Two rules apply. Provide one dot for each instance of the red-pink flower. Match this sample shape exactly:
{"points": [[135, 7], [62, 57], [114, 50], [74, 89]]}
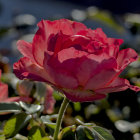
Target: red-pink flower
{"points": [[4, 94], [82, 63]]}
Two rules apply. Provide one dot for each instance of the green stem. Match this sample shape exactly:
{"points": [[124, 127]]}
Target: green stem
{"points": [[60, 117]]}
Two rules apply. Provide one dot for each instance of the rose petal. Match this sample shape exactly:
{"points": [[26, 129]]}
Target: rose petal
{"points": [[74, 40], [88, 65], [104, 73], [125, 57], [25, 68], [115, 42], [119, 84], [25, 48], [70, 53], [64, 79], [82, 96], [55, 42], [66, 63], [88, 33], [95, 35], [101, 79], [113, 46], [85, 70], [59, 42], [61, 77], [101, 34], [77, 26], [60, 61], [91, 66], [46, 28], [135, 88]]}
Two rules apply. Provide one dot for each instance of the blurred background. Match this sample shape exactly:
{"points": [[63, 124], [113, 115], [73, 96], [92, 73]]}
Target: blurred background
{"points": [[120, 112]]}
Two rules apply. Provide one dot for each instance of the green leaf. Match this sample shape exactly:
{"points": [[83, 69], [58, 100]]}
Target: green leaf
{"points": [[47, 119], [20, 137], [10, 107], [84, 133], [36, 133], [49, 124], [102, 133], [68, 133], [90, 135], [77, 106], [2, 137], [50, 127], [31, 108], [79, 121], [54, 116], [15, 124], [84, 124], [57, 96], [46, 138]]}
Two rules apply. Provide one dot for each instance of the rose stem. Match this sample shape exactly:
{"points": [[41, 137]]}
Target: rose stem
{"points": [[60, 117]]}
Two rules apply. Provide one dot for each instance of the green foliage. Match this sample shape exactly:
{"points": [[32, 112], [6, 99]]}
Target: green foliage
{"points": [[50, 126], [57, 95], [20, 137], [30, 108], [77, 106], [15, 124], [102, 133], [86, 131], [68, 133], [36, 133], [2, 137], [83, 133], [46, 138], [9, 107]]}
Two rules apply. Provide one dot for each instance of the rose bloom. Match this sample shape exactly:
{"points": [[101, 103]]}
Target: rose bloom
{"points": [[82, 63]]}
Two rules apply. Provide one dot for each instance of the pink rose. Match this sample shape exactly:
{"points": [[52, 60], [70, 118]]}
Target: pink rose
{"points": [[82, 63], [4, 94]]}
